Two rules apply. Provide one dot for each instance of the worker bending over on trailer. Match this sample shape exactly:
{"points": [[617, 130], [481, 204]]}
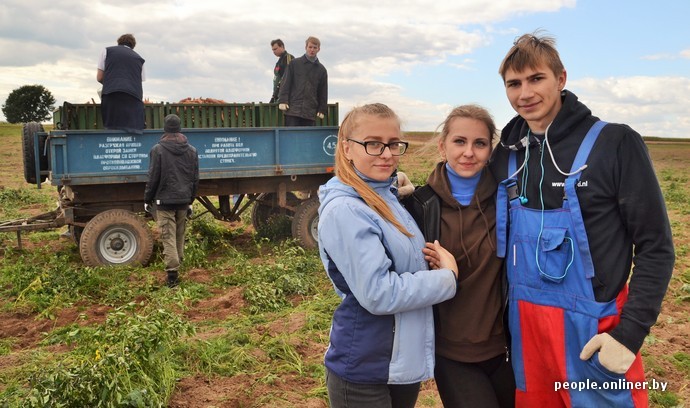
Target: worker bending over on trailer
{"points": [[172, 185], [121, 71]]}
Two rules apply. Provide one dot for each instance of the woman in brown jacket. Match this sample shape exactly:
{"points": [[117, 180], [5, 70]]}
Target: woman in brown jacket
{"points": [[472, 367]]}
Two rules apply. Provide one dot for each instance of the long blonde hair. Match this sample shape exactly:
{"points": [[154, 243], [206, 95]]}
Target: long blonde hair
{"points": [[345, 171]]}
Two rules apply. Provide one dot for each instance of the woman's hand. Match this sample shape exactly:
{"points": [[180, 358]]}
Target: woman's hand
{"points": [[439, 257]]}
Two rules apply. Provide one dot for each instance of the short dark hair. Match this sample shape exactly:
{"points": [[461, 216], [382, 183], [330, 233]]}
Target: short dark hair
{"points": [[128, 40], [279, 42]]}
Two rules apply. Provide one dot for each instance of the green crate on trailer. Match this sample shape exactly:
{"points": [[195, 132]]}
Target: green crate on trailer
{"points": [[88, 116]]}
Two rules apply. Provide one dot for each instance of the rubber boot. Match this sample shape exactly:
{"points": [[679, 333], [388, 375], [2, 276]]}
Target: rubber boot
{"points": [[173, 279]]}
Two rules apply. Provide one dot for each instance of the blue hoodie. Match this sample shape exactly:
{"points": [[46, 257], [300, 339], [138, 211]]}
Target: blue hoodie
{"points": [[383, 330]]}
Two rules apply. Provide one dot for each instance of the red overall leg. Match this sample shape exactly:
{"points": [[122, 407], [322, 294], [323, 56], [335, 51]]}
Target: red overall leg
{"points": [[543, 349]]}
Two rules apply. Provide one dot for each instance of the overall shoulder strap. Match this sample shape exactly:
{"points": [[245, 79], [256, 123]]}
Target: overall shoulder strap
{"points": [[574, 203], [586, 146]]}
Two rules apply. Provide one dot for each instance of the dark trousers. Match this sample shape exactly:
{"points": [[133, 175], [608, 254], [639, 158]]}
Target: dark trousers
{"points": [[344, 394], [485, 384], [297, 121], [122, 111]]}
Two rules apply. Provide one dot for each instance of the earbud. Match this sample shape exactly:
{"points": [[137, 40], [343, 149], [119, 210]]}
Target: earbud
{"points": [[523, 200]]}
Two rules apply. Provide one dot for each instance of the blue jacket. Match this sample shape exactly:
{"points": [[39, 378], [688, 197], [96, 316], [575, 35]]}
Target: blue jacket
{"points": [[383, 330]]}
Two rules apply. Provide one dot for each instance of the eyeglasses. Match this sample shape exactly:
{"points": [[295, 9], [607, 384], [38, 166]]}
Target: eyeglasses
{"points": [[374, 148]]}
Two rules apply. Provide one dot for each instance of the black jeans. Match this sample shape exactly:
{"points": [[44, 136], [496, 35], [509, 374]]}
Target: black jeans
{"points": [[485, 384], [297, 121], [344, 394]]}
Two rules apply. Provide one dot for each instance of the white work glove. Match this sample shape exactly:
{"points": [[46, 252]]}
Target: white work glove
{"points": [[320, 115], [283, 106], [405, 186], [614, 356], [147, 208]]}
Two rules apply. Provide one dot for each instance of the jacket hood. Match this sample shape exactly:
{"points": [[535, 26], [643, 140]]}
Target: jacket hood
{"points": [[572, 113], [438, 180], [175, 143], [465, 218]]}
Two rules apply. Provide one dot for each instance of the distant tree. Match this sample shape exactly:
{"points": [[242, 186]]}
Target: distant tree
{"points": [[29, 103]]}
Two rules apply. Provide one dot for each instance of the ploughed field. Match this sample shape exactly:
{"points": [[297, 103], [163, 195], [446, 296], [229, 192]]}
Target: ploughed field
{"points": [[248, 326]]}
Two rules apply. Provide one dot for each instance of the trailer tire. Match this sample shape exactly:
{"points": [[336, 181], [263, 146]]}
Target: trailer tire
{"points": [[116, 237], [267, 205], [28, 131], [305, 223]]}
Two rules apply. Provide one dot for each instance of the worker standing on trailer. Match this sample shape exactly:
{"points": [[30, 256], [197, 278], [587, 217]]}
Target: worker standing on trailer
{"points": [[303, 94], [121, 71], [284, 58], [172, 185]]}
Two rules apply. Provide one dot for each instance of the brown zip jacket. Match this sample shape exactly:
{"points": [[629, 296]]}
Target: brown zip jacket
{"points": [[469, 327]]}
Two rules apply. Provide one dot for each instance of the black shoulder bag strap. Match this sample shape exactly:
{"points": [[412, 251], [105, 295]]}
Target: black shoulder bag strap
{"points": [[425, 208]]}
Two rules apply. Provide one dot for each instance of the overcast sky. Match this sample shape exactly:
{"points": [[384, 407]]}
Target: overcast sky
{"points": [[629, 61]]}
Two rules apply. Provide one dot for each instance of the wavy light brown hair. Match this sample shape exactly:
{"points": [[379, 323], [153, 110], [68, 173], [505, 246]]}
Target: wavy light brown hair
{"points": [[344, 169], [313, 40], [531, 50]]}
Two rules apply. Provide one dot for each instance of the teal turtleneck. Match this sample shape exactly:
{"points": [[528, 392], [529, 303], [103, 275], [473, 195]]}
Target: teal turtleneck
{"points": [[463, 188]]}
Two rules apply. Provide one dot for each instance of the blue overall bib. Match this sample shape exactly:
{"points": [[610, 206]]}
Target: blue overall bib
{"points": [[552, 309]]}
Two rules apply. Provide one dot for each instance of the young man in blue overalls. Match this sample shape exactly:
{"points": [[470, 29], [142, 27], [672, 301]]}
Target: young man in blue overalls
{"points": [[578, 205]]}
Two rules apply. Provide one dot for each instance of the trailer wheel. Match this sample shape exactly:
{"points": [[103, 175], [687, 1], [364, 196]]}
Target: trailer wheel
{"points": [[305, 223], [116, 237], [28, 131], [267, 205]]}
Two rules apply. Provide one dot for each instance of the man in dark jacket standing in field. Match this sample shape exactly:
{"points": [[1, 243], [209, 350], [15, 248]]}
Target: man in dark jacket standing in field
{"points": [[304, 91], [172, 186]]}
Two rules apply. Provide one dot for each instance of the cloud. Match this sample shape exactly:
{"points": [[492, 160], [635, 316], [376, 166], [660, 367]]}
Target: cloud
{"points": [[220, 49], [653, 106]]}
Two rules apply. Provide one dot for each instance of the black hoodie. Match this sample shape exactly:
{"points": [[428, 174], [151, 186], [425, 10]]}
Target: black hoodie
{"points": [[173, 173], [622, 206]]}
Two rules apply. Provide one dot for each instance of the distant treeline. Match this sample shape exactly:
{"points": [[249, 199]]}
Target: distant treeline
{"points": [[653, 139]]}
